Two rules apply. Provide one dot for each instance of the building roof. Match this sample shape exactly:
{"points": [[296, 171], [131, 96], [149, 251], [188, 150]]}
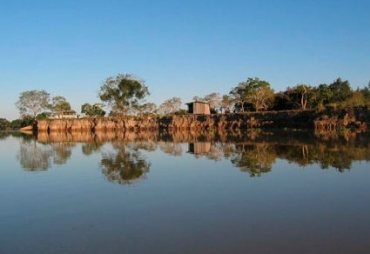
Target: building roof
{"points": [[202, 102]]}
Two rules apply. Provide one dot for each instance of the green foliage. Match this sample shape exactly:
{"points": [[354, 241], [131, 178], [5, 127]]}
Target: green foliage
{"points": [[60, 105], [125, 166], [254, 91], [92, 110], [322, 95], [366, 94], [43, 115], [3, 124], [283, 102], [336, 95], [340, 90], [123, 93], [23, 122], [181, 112], [300, 96]]}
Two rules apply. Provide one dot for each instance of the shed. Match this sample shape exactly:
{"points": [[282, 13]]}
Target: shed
{"points": [[199, 148], [199, 107]]}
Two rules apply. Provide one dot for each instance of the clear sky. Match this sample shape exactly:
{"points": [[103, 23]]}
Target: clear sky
{"points": [[181, 48]]}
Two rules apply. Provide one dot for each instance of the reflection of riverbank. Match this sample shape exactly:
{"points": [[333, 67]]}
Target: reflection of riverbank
{"points": [[254, 152], [253, 136]]}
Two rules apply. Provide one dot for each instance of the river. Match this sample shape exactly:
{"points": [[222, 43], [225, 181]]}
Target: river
{"points": [[249, 192]]}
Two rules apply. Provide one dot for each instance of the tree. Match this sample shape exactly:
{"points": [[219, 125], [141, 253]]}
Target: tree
{"points": [[321, 95], [299, 95], [92, 110], [3, 124], [366, 92], [33, 102], [254, 91], [282, 101], [123, 92], [197, 98], [60, 105], [170, 106], [226, 103], [239, 95], [214, 101], [341, 90], [148, 108], [357, 99]]}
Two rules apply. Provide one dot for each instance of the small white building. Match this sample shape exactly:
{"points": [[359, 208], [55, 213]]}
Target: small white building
{"points": [[63, 115]]}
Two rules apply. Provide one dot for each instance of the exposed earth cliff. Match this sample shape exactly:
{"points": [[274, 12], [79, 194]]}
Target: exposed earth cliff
{"points": [[358, 118]]}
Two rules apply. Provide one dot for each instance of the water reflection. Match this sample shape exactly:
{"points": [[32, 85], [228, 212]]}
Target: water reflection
{"points": [[34, 156], [91, 147], [251, 152], [254, 159], [125, 165]]}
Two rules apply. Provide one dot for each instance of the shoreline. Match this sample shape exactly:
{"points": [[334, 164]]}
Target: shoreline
{"points": [[351, 118]]}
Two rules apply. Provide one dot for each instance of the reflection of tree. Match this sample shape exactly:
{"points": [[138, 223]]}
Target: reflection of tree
{"points": [[143, 145], [171, 148], [4, 134], [62, 152], [90, 147], [34, 156], [253, 154], [125, 166], [255, 159], [339, 157], [215, 152]]}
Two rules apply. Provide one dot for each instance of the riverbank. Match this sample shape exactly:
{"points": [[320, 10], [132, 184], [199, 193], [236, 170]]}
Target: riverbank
{"points": [[351, 118]]}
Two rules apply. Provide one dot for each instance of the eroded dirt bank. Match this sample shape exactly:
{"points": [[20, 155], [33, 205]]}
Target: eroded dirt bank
{"points": [[358, 118]]}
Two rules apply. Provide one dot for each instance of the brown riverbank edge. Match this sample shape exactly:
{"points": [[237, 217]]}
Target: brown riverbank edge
{"points": [[350, 118], [27, 128]]}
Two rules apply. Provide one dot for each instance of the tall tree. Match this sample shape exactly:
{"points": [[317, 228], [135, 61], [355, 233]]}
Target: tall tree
{"points": [[321, 95], [366, 92], [92, 110], [283, 102], [226, 103], [148, 108], [123, 92], [60, 105], [255, 91], [239, 94], [341, 90], [3, 124], [170, 106], [214, 101], [33, 102], [299, 95]]}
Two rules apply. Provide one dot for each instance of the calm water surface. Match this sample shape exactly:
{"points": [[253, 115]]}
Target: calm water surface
{"points": [[274, 193]]}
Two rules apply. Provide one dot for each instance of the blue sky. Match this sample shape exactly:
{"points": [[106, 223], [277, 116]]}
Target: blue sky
{"points": [[181, 48]]}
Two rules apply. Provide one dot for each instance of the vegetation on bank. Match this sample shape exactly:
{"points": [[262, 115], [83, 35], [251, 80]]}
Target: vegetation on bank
{"points": [[125, 95]]}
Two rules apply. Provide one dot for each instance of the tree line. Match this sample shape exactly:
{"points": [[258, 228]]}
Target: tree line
{"points": [[125, 95]]}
